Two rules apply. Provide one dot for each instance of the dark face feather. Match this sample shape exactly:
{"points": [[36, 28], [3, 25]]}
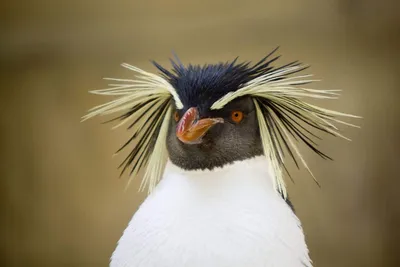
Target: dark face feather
{"points": [[224, 143]]}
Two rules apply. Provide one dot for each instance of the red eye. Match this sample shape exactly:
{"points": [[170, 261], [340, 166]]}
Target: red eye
{"points": [[237, 116], [176, 116]]}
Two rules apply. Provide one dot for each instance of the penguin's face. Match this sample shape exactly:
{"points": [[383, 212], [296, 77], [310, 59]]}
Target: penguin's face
{"points": [[200, 138]]}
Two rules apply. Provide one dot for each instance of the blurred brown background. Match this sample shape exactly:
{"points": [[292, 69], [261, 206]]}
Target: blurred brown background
{"points": [[61, 201]]}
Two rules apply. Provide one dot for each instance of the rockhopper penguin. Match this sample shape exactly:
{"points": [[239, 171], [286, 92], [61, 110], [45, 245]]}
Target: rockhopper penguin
{"points": [[211, 141]]}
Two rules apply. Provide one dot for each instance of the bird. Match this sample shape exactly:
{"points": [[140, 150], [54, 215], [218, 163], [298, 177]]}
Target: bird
{"points": [[211, 143]]}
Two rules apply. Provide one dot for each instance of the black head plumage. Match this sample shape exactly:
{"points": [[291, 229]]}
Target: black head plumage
{"points": [[203, 85]]}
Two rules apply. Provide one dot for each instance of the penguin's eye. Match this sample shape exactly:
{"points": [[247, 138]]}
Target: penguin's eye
{"points": [[176, 116], [237, 116]]}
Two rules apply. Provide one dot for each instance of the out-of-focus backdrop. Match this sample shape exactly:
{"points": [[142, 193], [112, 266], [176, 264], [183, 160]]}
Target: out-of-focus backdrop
{"points": [[61, 200]]}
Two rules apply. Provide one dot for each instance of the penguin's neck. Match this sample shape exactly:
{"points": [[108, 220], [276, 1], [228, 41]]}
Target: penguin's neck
{"points": [[235, 179], [230, 216]]}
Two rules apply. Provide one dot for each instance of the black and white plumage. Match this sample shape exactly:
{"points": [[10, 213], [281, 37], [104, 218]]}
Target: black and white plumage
{"points": [[223, 130]]}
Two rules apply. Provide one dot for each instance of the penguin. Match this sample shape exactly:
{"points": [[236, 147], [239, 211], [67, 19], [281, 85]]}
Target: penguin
{"points": [[212, 141]]}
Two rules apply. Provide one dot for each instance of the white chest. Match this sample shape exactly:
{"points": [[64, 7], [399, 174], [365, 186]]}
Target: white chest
{"points": [[230, 217]]}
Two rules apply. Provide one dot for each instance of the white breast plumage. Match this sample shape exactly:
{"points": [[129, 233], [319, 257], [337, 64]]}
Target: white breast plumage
{"points": [[228, 217]]}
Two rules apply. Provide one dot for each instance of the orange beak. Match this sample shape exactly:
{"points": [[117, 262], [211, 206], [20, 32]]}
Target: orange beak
{"points": [[190, 129]]}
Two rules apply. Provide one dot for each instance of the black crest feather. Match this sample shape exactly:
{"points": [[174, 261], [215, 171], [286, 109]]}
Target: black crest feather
{"points": [[203, 85]]}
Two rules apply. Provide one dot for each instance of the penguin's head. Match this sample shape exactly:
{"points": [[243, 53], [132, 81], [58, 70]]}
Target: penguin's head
{"points": [[202, 117], [200, 137]]}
